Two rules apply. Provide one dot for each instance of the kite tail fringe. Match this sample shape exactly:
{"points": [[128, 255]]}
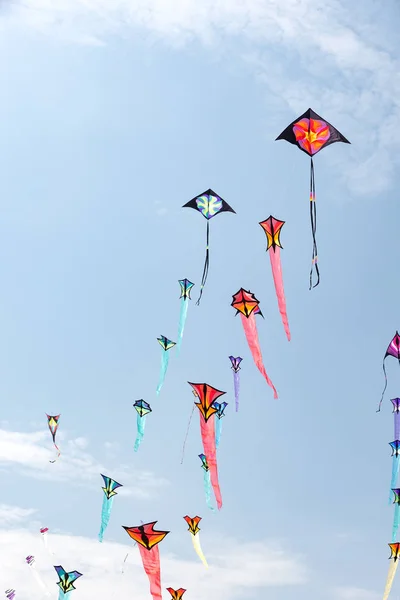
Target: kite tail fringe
{"points": [[151, 565], [236, 385], [396, 520], [141, 421], [182, 321], [389, 582], [313, 218], [384, 389], [163, 371], [58, 453], [198, 550], [207, 490], [250, 330], [206, 264], [275, 259], [208, 437], [105, 515], [218, 431]]}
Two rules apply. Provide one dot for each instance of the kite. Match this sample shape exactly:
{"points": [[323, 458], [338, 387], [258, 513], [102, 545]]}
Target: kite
{"points": [[30, 560], [52, 422], [147, 539], [218, 425], [311, 133], [207, 396], [66, 581], [176, 594], [394, 555], [166, 345], [186, 288], [142, 409], [392, 350], [194, 529], [10, 594], [236, 379], [272, 229], [109, 492], [396, 520], [248, 306], [207, 480], [395, 446], [209, 204], [44, 531]]}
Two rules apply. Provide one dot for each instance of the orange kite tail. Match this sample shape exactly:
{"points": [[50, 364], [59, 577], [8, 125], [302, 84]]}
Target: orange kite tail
{"points": [[208, 436], [250, 330], [275, 258], [151, 565]]}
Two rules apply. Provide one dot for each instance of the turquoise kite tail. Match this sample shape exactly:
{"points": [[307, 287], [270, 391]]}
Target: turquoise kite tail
{"points": [[62, 595], [182, 321], [207, 489], [141, 421], [105, 515], [395, 473], [396, 522], [164, 367], [218, 430]]}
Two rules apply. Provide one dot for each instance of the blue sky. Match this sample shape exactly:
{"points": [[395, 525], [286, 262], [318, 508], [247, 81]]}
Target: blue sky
{"points": [[115, 114]]}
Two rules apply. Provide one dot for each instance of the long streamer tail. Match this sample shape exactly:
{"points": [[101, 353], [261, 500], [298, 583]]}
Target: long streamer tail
{"points": [[385, 386], [58, 453], [276, 266], [396, 521], [182, 321], [389, 581], [208, 437], [206, 264], [163, 371], [236, 386], [395, 474], [105, 515], [199, 551], [250, 330], [151, 565], [40, 581], [218, 431], [207, 489], [141, 422], [313, 219]]}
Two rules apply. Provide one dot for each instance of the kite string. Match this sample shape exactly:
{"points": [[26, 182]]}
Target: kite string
{"points": [[384, 389], [206, 264], [187, 433], [313, 217]]}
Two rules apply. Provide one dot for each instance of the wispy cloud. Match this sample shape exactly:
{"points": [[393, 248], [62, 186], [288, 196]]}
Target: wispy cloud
{"points": [[29, 454], [11, 515], [235, 568]]}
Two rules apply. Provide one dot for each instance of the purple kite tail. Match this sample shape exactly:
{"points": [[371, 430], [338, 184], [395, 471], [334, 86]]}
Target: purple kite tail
{"points": [[236, 384]]}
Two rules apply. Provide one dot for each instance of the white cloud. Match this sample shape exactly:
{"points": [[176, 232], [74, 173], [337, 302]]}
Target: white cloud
{"points": [[234, 568], [353, 593], [30, 455], [10, 515]]}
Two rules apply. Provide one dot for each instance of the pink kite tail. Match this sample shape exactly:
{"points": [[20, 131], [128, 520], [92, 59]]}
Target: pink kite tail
{"points": [[151, 564], [275, 258], [208, 436], [250, 329]]}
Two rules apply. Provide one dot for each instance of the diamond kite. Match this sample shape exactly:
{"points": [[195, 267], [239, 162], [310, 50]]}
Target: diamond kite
{"points": [[235, 362], [142, 408], [186, 288], [392, 350], [109, 492], [194, 529], [52, 422], [166, 345]]}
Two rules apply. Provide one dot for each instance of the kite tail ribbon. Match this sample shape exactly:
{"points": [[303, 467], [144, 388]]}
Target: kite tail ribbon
{"points": [[218, 430], [313, 218], [58, 452], [151, 565], [390, 577], [208, 437], [396, 522], [250, 330], [164, 367], [275, 257], [63, 595], [105, 515], [199, 551], [385, 386], [395, 473], [207, 489], [141, 422], [236, 385], [206, 264], [182, 321]]}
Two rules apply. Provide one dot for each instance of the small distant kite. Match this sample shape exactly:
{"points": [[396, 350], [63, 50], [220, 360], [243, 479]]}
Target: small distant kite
{"points": [[176, 594], [395, 446], [392, 350], [194, 529], [248, 306], [166, 345], [396, 519], [207, 396], [311, 133], [10, 594], [272, 229], [30, 561], [218, 424], [66, 581], [45, 534], [52, 422], [206, 480], [147, 539], [186, 288], [235, 362], [109, 492], [209, 204], [142, 408], [394, 556]]}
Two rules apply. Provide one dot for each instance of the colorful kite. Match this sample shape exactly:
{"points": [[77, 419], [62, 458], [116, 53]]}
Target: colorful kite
{"points": [[207, 396], [66, 581], [236, 379], [311, 133], [10, 594], [52, 422], [45, 534], [394, 555], [186, 288], [272, 229], [194, 529], [206, 480], [209, 204], [396, 519], [147, 539], [142, 409], [218, 425], [392, 350], [248, 306], [30, 560], [395, 446], [109, 492], [176, 594], [166, 345]]}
